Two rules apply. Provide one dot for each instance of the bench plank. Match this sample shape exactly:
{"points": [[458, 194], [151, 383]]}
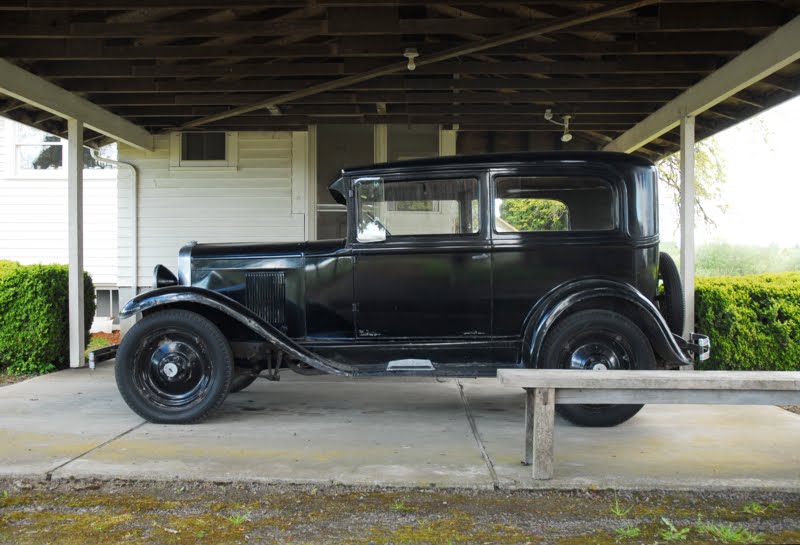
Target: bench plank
{"points": [[676, 397], [650, 380]]}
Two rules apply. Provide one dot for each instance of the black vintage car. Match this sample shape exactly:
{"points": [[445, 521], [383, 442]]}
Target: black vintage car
{"points": [[451, 267]]}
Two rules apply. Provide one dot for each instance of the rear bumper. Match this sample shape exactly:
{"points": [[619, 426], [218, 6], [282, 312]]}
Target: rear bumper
{"points": [[698, 345]]}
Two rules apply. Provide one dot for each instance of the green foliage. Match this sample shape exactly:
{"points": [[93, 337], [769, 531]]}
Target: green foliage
{"points": [[627, 532], [34, 317], [534, 214], [753, 321], [727, 533], [671, 532]]}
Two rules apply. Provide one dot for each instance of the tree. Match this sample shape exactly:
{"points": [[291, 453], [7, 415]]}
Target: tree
{"points": [[709, 179], [534, 214]]}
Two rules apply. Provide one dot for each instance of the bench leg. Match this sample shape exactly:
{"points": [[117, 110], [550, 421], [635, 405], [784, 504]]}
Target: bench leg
{"points": [[539, 424]]}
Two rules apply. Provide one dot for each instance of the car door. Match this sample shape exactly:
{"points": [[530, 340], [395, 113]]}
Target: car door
{"points": [[422, 268]]}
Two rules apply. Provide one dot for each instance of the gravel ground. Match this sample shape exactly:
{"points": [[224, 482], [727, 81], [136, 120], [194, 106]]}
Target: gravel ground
{"points": [[792, 408], [99, 512]]}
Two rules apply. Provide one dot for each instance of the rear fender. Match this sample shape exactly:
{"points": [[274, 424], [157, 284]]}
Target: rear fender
{"points": [[606, 294], [199, 298]]}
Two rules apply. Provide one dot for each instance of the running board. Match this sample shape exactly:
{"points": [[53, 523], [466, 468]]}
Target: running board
{"points": [[410, 365]]}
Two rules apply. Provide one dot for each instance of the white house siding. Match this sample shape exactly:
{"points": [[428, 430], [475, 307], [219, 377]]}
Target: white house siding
{"points": [[33, 215], [262, 199]]}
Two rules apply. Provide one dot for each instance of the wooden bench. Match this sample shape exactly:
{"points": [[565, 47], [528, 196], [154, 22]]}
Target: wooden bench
{"points": [[547, 387]]}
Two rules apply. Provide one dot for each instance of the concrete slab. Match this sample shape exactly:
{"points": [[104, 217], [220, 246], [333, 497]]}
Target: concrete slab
{"points": [[309, 429], [672, 446], [49, 420], [392, 432]]}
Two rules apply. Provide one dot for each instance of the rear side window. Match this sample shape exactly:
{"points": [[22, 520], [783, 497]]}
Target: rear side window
{"points": [[529, 204]]}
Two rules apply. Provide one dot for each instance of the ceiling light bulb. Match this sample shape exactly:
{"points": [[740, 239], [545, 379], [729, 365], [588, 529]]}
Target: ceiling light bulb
{"points": [[548, 114], [411, 53], [566, 137]]}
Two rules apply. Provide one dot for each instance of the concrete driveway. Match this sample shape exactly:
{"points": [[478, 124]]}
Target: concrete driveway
{"points": [[391, 432]]}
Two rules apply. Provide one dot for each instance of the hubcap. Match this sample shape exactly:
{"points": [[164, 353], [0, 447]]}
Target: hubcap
{"points": [[597, 356], [172, 368]]}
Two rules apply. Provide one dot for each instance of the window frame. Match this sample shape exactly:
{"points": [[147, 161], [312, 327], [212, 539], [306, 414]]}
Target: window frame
{"points": [[230, 163], [615, 184], [477, 176]]}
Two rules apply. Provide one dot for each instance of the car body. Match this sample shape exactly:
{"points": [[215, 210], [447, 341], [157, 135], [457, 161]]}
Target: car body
{"points": [[451, 266]]}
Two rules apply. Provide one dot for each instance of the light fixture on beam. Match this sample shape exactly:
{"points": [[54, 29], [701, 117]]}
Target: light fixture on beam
{"points": [[274, 110], [566, 136], [411, 53]]}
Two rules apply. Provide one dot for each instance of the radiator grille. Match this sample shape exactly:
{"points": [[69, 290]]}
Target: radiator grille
{"points": [[266, 296]]}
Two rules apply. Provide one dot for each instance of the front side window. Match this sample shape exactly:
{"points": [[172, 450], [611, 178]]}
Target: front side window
{"points": [[529, 204], [416, 208]]}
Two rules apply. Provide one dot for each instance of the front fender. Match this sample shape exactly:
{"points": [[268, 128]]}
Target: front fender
{"points": [[598, 293], [190, 296]]}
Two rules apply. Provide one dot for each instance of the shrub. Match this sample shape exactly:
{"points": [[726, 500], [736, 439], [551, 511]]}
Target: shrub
{"points": [[753, 321], [34, 316]]}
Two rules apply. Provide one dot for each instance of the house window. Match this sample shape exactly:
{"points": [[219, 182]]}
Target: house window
{"points": [[203, 146], [39, 151], [204, 149], [107, 304]]}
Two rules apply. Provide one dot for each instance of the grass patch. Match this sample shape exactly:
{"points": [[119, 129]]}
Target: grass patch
{"points": [[728, 533], [627, 532], [672, 532]]}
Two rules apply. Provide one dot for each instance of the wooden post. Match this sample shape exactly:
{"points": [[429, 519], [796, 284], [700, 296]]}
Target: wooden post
{"points": [[75, 243], [529, 404], [543, 425]]}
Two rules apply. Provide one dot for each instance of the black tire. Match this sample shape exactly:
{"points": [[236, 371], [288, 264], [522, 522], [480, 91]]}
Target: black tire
{"points": [[242, 378], [590, 339], [670, 302], [174, 367]]}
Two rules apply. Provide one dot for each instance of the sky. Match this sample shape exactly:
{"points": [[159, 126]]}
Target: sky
{"points": [[762, 193]]}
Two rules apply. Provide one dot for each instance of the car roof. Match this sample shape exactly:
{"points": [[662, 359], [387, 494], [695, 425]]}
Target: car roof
{"points": [[489, 160]]}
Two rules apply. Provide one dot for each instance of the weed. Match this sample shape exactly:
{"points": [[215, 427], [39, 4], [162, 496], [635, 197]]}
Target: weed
{"points": [[618, 510], [671, 532], [5, 494], [627, 532], [755, 508], [237, 520], [727, 533], [400, 505]]}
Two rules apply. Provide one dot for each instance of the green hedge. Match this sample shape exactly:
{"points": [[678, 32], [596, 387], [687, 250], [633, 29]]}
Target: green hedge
{"points": [[34, 317], [753, 321]]}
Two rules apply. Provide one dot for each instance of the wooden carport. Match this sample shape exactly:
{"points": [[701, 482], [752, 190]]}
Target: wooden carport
{"points": [[645, 76]]}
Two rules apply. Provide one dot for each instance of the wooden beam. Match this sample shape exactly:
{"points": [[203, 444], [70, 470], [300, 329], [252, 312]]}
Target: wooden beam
{"points": [[468, 49], [116, 69], [779, 49], [32, 89], [651, 43]]}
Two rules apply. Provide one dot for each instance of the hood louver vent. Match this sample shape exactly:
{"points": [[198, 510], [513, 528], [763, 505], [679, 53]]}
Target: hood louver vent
{"points": [[266, 296]]}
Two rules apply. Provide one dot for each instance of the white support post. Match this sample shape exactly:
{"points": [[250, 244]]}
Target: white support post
{"points": [[447, 142], [687, 214], [75, 213], [380, 139]]}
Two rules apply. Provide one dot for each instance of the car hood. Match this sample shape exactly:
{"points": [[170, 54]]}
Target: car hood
{"points": [[255, 250]]}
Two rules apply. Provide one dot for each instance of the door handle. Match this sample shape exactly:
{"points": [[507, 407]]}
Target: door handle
{"points": [[480, 256]]}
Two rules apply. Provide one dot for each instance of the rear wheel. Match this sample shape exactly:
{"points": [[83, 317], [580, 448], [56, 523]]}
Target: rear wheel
{"points": [[670, 299], [174, 367], [598, 340]]}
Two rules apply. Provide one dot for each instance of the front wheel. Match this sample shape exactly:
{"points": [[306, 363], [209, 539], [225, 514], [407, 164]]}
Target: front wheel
{"points": [[174, 367], [599, 340]]}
